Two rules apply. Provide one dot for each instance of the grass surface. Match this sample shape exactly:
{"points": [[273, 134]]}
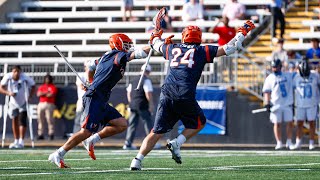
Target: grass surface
{"points": [[196, 164]]}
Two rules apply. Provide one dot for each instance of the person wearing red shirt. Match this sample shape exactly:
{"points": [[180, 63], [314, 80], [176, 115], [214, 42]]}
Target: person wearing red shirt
{"points": [[47, 93], [225, 32]]}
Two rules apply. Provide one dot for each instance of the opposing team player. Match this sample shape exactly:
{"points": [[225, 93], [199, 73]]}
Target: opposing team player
{"points": [[177, 99], [278, 99], [306, 88], [105, 72]]}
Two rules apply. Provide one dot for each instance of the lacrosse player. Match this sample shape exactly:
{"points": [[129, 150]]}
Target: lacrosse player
{"points": [[306, 88], [177, 100], [278, 99]]}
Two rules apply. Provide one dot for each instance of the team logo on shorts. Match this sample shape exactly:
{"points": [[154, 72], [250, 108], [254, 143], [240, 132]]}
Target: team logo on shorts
{"points": [[93, 126]]}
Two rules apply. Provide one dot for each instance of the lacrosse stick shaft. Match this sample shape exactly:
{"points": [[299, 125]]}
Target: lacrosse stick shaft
{"points": [[26, 94], [144, 69], [70, 66], [5, 115], [259, 110]]}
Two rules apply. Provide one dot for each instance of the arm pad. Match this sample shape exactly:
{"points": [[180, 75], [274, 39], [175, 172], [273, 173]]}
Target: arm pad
{"points": [[157, 44], [139, 53]]}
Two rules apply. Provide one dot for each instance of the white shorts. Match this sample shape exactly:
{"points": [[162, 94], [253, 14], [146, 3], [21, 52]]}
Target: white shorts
{"points": [[309, 114], [284, 114]]}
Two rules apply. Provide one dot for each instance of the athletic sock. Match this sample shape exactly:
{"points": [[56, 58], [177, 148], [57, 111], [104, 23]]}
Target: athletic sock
{"points": [[16, 141], [21, 141], [311, 142], [95, 138], [181, 139], [140, 156], [61, 151], [289, 141], [298, 142]]}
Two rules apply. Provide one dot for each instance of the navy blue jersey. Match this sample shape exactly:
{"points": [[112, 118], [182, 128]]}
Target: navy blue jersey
{"points": [[109, 70], [186, 65]]}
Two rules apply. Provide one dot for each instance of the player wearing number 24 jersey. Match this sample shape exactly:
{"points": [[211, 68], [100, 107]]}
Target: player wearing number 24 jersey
{"points": [[177, 99]]}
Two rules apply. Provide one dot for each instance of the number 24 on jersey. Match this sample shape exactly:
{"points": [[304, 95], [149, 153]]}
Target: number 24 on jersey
{"points": [[187, 59]]}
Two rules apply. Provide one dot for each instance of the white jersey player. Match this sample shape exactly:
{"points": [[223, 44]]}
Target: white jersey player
{"points": [[306, 86], [14, 84], [278, 99]]}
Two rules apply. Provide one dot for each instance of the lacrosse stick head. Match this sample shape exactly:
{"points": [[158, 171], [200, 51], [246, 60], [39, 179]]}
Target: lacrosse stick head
{"points": [[120, 42], [159, 17]]}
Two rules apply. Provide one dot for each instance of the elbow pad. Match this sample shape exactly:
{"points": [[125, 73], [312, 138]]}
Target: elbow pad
{"points": [[139, 54]]}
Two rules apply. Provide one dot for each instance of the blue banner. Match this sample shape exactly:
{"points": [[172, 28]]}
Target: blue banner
{"points": [[212, 100]]}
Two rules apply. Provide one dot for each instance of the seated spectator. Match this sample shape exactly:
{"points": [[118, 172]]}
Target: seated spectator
{"points": [[225, 32], [234, 10], [293, 55], [280, 53], [314, 52], [192, 11]]}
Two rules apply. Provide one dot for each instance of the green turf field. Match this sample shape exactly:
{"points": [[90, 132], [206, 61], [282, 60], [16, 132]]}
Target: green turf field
{"points": [[196, 164]]}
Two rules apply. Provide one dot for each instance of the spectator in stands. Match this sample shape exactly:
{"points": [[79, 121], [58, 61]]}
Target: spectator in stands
{"points": [[225, 32], [16, 85], [80, 92], [47, 93], [192, 11], [281, 54], [277, 14], [292, 68], [278, 99], [293, 55], [314, 52], [234, 10], [141, 106], [127, 6]]}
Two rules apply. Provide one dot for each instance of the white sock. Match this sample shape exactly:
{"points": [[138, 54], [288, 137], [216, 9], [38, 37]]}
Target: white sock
{"points": [[181, 139], [279, 142], [61, 151], [298, 141], [289, 141], [21, 141], [95, 138], [140, 156], [311, 141], [16, 141]]}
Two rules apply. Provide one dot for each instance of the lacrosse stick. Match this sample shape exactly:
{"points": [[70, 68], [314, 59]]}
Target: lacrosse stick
{"points": [[272, 109], [156, 21], [70, 66], [26, 95], [5, 117]]}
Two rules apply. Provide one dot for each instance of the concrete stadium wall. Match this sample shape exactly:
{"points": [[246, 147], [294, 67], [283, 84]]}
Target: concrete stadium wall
{"points": [[8, 6]]}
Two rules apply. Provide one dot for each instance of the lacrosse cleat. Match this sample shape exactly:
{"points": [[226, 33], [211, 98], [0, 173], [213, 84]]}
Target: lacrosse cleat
{"points": [[16, 146], [312, 146], [174, 148], [89, 147], [135, 164], [57, 159]]}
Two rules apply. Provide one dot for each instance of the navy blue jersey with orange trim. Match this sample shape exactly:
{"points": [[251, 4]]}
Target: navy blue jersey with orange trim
{"points": [[186, 65], [109, 70]]}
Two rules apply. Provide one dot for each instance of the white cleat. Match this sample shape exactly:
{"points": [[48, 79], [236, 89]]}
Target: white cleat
{"points": [[16, 146], [89, 147], [135, 164], [174, 148], [57, 160], [296, 147], [312, 146], [278, 146]]}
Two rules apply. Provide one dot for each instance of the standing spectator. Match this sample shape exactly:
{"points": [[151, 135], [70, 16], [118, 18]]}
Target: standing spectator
{"points": [[281, 54], [80, 92], [306, 85], [141, 106], [127, 6], [47, 93], [192, 11], [278, 99], [314, 52], [225, 32], [234, 10], [277, 14], [13, 85]]}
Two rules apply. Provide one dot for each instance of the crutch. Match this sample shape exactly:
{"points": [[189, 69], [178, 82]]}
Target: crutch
{"points": [[5, 117], [26, 94]]}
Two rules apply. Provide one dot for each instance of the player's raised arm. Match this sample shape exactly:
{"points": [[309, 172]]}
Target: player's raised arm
{"points": [[236, 43], [140, 53]]}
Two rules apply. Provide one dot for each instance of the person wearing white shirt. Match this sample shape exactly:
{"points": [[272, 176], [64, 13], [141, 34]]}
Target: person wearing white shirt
{"points": [[192, 11], [14, 85], [278, 99]]}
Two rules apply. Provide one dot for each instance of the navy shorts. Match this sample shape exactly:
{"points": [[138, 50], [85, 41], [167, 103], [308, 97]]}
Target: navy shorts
{"points": [[169, 112], [97, 113]]}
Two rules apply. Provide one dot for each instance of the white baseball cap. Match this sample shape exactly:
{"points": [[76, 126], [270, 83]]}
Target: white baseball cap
{"points": [[148, 68]]}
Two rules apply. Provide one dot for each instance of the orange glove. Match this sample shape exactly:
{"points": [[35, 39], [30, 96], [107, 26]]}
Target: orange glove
{"points": [[247, 27], [155, 33], [168, 40]]}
